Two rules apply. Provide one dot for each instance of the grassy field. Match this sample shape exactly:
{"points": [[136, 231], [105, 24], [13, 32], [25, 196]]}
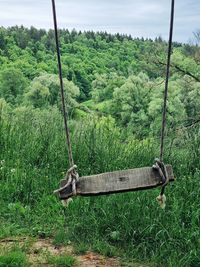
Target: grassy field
{"points": [[131, 225]]}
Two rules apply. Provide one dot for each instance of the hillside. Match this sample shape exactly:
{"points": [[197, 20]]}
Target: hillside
{"points": [[114, 93]]}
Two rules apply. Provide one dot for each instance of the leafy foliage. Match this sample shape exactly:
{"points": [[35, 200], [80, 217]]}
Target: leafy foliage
{"points": [[104, 85], [12, 85], [131, 100], [44, 92], [124, 77]]}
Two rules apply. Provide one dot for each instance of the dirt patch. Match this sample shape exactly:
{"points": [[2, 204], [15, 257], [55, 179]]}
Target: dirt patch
{"points": [[91, 259], [46, 245], [42, 248], [8, 243], [39, 250]]}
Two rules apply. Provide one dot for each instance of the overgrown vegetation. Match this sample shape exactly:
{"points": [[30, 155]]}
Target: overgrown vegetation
{"points": [[114, 86], [14, 258]]}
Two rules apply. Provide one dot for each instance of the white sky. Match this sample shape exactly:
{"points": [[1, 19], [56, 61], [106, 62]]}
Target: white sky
{"points": [[147, 18]]}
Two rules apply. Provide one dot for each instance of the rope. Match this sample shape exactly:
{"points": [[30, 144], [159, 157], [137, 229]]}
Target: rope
{"points": [[161, 168], [71, 177], [166, 82], [65, 112], [159, 165]]}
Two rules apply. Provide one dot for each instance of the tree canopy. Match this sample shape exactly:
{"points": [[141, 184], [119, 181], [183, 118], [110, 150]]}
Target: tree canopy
{"points": [[116, 75]]}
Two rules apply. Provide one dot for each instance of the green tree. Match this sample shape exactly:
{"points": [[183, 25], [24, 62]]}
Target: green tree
{"points": [[175, 107], [38, 95], [45, 91], [130, 104], [12, 85], [190, 94], [104, 85], [186, 65], [2, 38]]}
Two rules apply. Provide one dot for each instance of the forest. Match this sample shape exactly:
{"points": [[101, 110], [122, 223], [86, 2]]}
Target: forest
{"points": [[114, 87]]}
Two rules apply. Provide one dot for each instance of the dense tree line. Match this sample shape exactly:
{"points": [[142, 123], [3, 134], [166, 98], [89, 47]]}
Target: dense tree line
{"points": [[121, 76]]}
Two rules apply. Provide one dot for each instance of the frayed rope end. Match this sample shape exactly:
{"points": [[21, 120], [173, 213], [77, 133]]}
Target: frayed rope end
{"points": [[66, 202], [161, 201]]}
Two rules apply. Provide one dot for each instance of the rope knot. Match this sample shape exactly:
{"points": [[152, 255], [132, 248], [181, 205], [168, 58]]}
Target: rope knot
{"points": [[71, 178], [161, 168]]}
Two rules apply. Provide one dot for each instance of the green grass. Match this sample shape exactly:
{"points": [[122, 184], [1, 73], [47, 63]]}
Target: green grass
{"points": [[81, 248], [62, 261], [13, 259], [61, 238], [34, 159]]}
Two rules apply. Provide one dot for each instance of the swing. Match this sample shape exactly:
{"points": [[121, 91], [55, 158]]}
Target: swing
{"points": [[117, 181]]}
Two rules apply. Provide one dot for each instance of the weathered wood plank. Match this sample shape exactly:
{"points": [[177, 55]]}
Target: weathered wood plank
{"points": [[116, 182]]}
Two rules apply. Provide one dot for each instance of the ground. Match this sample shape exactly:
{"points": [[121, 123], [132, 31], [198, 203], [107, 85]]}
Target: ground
{"points": [[38, 252]]}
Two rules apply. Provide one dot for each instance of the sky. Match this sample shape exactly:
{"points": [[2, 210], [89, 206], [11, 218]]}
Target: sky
{"points": [[147, 18]]}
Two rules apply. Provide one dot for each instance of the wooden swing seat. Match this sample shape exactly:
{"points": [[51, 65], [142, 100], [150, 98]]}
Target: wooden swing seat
{"points": [[115, 182]]}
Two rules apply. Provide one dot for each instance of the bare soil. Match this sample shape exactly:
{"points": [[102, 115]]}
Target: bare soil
{"points": [[37, 251]]}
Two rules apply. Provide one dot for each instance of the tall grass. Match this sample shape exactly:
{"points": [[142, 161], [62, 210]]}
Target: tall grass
{"points": [[34, 159]]}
